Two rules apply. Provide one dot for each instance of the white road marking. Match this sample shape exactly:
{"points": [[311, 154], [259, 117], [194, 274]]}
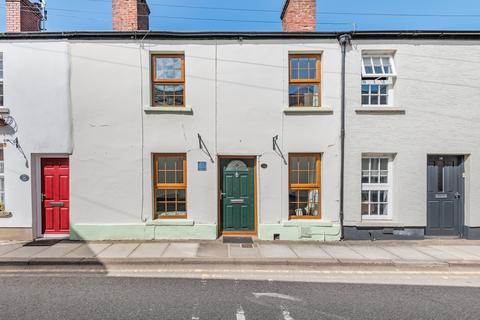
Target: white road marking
{"points": [[275, 295], [286, 313], [240, 313]]}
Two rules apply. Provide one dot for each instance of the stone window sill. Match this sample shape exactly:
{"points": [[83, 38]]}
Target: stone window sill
{"points": [[170, 222], [4, 110], [171, 110], [380, 110], [5, 214]]}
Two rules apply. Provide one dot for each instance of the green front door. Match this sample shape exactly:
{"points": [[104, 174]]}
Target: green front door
{"points": [[237, 195]]}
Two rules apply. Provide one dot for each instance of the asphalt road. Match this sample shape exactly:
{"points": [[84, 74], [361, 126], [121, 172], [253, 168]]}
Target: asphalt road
{"points": [[100, 297]]}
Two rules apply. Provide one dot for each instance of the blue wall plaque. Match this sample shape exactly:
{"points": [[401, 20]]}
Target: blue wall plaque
{"points": [[202, 166]]}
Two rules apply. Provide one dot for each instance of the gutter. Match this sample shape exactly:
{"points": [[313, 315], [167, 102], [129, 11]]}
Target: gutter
{"points": [[344, 41]]}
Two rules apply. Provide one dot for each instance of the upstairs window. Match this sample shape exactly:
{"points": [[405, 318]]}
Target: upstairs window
{"points": [[168, 80], [304, 185], [304, 86], [378, 74]]}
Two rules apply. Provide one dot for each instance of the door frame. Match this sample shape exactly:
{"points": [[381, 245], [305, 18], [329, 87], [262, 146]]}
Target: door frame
{"points": [[37, 193], [461, 218], [220, 231]]}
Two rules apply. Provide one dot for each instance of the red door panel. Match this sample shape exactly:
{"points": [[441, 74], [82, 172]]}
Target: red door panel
{"points": [[56, 196]]}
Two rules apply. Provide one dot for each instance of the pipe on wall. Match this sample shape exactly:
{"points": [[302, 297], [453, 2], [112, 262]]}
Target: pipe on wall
{"points": [[344, 41]]}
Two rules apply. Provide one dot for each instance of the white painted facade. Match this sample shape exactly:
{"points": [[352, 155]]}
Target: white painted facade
{"points": [[37, 96], [87, 99]]}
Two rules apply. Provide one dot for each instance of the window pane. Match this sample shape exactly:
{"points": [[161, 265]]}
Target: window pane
{"points": [[374, 88], [303, 202], [303, 95], [383, 89], [373, 209], [374, 100], [303, 63], [377, 66], [365, 210], [170, 170], [368, 65], [383, 196], [168, 95], [365, 196], [383, 209], [383, 100], [295, 74], [365, 89], [373, 196], [365, 100], [168, 68], [386, 65], [365, 163]]}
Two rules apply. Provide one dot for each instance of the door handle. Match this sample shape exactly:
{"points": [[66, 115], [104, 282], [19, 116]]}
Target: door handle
{"points": [[222, 194], [457, 195]]}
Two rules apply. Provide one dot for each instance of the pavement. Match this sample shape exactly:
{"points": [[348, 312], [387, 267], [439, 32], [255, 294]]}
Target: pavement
{"points": [[426, 253]]}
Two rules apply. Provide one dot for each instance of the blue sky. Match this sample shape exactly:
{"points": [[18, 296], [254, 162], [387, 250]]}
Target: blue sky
{"points": [[174, 15]]}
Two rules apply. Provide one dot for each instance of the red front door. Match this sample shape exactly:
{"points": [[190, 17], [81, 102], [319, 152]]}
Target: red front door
{"points": [[55, 196]]}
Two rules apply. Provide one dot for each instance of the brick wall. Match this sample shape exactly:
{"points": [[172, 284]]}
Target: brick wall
{"points": [[129, 15], [22, 15], [299, 16]]}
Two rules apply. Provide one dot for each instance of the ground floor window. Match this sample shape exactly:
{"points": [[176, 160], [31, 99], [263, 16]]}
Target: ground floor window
{"points": [[304, 185], [170, 185], [376, 186]]}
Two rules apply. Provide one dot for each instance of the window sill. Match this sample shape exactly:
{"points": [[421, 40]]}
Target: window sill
{"points": [[5, 214], [170, 222], [384, 222], [308, 110], [4, 110], [172, 110], [307, 222], [380, 110]]}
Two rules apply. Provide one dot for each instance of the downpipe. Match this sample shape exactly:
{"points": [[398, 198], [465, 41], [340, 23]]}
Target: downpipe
{"points": [[344, 41]]}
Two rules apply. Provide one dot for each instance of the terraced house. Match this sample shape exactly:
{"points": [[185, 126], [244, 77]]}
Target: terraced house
{"points": [[292, 135]]}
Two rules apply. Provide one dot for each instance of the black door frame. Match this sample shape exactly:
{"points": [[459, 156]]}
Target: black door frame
{"points": [[461, 217], [220, 231]]}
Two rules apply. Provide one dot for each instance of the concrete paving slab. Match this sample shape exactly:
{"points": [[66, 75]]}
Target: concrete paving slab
{"points": [[58, 250], [149, 250], [6, 248], [310, 252], [409, 253], [88, 250], [437, 253], [118, 250], [458, 251], [212, 250], [181, 250], [236, 251], [342, 252], [276, 251], [374, 253], [474, 250], [24, 252]]}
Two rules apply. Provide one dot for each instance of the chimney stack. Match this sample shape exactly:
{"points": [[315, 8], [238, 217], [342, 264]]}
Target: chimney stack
{"points": [[130, 15], [23, 16], [299, 16]]}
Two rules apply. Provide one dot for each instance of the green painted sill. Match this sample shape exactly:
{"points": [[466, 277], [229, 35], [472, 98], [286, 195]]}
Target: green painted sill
{"points": [[307, 222], [174, 110], [170, 222], [308, 110]]}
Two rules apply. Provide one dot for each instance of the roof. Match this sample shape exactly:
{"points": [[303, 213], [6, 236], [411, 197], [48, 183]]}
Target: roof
{"points": [[164, 35]]}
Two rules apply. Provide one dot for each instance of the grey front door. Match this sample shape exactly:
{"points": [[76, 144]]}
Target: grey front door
{"points": [[445, 191]]}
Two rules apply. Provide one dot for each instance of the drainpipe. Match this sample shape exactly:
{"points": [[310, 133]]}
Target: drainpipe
{"points": [[344, 41]]}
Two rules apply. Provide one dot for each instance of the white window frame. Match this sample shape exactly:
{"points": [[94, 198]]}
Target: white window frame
{"points": [[376, 81], [2, 176], [379, 186]]}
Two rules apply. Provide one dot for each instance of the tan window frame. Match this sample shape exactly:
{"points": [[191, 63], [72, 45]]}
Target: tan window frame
{"points": [[316, 81], [163, 186], [156, 81], [306, 186]]}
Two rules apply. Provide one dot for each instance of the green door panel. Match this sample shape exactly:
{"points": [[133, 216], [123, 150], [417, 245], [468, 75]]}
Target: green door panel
{"points": [[238, 211]]}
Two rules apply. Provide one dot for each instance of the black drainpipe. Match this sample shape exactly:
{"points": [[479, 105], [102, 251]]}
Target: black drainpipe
{"points": [[344, 41]]}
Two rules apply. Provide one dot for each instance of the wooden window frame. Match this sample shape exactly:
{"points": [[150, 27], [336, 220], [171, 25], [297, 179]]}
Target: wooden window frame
{"points": [[156, 81], [296, 187], [163, 186], [317, 81]]}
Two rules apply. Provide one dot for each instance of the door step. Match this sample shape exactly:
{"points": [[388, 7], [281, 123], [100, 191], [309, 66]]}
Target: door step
{"points": [[238, 240]]}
